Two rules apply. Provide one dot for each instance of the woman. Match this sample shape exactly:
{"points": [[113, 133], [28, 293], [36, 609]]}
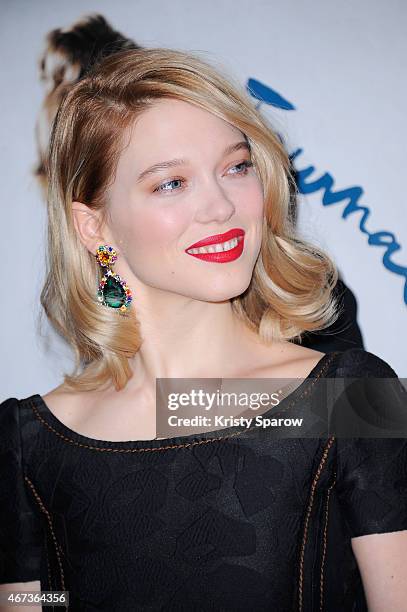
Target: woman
{"points": [[151, 153], [68, 56]]}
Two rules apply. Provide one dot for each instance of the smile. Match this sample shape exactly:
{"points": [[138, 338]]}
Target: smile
{"points": [[216, 248], [221, 252]]}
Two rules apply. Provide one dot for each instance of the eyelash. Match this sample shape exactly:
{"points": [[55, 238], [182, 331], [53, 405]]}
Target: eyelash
{"points": [[246, 163]]}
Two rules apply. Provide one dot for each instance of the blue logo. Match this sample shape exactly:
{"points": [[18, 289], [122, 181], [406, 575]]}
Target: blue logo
{"points": [[350, 197]]}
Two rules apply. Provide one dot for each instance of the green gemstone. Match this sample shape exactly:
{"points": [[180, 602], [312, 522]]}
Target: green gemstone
{"points": [[114, 293]]}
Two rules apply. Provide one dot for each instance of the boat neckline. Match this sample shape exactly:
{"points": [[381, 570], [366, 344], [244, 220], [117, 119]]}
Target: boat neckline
{"points": [[49, 419]]}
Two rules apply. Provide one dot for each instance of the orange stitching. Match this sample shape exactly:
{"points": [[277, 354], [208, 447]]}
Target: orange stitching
{"points": [[174, 446], [124, 450], [309, 510], [324, 548], [47, 514], [48, 566]]}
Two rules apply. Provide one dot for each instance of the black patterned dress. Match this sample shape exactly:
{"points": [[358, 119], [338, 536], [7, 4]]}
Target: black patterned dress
{"points": [[228, 520]]}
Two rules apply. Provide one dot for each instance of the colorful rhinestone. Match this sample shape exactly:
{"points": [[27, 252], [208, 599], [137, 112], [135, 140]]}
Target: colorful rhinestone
{"points": [[113, 290]]}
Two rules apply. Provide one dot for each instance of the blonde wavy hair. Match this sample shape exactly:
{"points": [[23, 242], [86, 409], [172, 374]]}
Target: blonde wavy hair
{"points": [[291, 290]]}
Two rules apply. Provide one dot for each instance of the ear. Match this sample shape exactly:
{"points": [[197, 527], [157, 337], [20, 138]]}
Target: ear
{"points": [[88, 226]]}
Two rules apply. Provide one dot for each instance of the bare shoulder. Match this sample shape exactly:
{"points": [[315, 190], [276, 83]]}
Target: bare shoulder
{"points": [[68, 406], [291, 360], [303, 355], [103, 414]]}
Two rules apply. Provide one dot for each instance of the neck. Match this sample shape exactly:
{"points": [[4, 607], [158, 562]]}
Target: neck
{"points": [[187, 338]]}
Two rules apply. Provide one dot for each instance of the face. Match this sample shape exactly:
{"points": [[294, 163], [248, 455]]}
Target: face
{"points": [[157, 214]]}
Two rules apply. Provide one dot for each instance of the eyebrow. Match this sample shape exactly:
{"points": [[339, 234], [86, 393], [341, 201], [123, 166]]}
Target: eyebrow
{"points": [[243, 144]]}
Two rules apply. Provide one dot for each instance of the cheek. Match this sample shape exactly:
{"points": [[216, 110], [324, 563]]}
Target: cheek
{"points": [[251, 205], [154, 231]]}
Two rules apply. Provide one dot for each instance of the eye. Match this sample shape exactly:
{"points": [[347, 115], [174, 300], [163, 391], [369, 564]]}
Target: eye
{"points": [[245, 165], [163, 186]]}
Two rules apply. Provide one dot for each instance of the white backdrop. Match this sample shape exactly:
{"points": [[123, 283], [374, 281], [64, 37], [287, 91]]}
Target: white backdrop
{"points": [[341, 65]]}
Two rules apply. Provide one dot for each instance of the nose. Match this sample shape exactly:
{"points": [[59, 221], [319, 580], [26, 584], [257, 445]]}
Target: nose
{"points": [[215, 205]]}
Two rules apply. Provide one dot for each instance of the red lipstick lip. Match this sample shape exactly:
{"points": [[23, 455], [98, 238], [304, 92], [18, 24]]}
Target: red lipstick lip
{"points": [[217, 238]]}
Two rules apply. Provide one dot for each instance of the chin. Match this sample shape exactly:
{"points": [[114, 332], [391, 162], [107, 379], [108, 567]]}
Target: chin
{"points": [[213, 292]]}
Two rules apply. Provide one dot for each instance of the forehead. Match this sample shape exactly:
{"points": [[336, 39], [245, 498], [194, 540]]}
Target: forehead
{"points": [[171, 121]]}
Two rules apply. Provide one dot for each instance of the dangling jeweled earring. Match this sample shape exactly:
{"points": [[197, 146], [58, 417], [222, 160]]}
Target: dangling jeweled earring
{"points": [[113, 290]]}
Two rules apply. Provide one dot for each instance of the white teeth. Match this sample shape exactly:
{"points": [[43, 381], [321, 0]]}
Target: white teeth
{"points": [[216, 248]]}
